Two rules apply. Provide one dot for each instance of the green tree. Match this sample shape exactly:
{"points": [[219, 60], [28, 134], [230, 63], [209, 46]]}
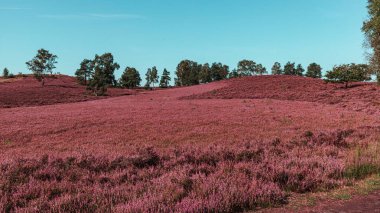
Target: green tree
{"points": [[314, 70], [219, 71], [86, 70], [260, 69], [130, 78], [205, 74], [246, 67], [148, 78], [187, 73], [105, 64], [276, 69], [299, 70], [347, 73], [289, 69], [42, 65], [154, 76], [233, 74], [165, 79], [97, 83], [371, 28], [5, 73]]}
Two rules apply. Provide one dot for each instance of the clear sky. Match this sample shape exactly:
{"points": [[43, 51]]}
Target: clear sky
{"points": [[145, 33]]}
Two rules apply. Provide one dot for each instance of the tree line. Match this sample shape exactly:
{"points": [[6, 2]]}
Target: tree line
{"points": [[98, 74]]}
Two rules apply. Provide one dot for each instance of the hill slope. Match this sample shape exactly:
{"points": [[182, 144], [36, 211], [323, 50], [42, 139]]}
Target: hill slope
{"points": [[27, 91], [360, 97]]}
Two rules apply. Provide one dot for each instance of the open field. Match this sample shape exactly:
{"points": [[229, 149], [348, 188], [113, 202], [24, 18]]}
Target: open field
{"points": [[228, 146]]}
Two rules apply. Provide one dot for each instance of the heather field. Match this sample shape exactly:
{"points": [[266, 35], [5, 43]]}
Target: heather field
{"points": [[229, 146], [26, 91]]}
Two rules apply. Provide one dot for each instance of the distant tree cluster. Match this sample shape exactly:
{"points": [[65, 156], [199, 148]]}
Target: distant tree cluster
{"points": [[313, 70], [191, 73], [98, 74]]}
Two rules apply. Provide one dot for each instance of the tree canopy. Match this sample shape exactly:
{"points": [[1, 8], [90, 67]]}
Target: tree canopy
{"points": [[165, 79], [205, 74], [371, 28], [246, 67], [130, 78], [347, 73], [276, 69], [314, 70], [42, 64], [84, 73], [187, 73], [289, 69], [106, 65], [219, 71]]}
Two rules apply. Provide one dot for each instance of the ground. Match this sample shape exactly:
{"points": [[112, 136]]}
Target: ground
{"points": [[314, 123]]}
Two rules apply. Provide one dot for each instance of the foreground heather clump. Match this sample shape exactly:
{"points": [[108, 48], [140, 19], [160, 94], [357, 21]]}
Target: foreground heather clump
{"points": [[217, 178]]}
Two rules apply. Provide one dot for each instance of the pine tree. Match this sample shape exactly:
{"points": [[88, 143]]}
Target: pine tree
{"points": [[165, 79], [83, 74], [314, 70], [276, 69], [154, 76], [299, 70], [289, 69]]}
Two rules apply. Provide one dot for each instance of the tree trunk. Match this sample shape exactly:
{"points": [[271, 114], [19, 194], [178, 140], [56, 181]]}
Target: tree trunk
{"points": [[346, 85]]}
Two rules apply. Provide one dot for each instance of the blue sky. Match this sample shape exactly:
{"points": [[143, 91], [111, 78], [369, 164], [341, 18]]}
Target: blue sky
{"points": [[145, 33]]}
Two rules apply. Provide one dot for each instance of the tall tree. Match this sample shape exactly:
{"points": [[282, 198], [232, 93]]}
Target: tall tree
{"points": [[165, 79], [314, 70], [205, 74], [105, 64], [299, 70], [130, 78], [246, 67], [276, 69], [347, 73], [42, 64], [289, 69], [371, 28], [97, 83], [5, 73], [148, 78], [187, 73], [154, 76], [260, 69], [86, 70], [219, 71]]}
